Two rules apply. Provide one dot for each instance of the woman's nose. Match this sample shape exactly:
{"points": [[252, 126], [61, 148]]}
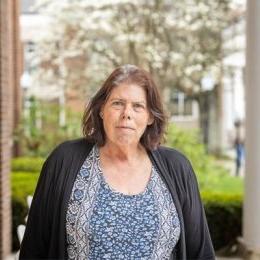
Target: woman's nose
{"points": [[126, 117], [127, 113]]}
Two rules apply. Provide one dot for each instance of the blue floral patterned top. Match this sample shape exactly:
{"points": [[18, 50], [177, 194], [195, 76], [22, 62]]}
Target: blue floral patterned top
{"points": [[102, 223]]}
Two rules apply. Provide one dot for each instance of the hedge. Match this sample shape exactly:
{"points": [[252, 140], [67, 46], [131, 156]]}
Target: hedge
{"points": [[27, 164], [224, 211], [224, 215], [23, 184]]}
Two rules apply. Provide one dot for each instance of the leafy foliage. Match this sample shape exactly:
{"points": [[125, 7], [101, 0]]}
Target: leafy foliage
{"points": [[86, 39], [38, 135], [224, 215], [23, 184], [179, 42], [211, 176], [27, 164]]}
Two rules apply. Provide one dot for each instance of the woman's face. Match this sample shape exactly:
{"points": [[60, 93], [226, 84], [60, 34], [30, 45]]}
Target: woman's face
{"points": [[125, 114]]}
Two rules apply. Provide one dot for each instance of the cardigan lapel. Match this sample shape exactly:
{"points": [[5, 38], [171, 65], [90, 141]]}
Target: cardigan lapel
{"points": [[159, 161]]}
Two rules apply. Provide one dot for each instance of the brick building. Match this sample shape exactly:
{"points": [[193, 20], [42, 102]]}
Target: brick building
{"points": [[10, 68]]}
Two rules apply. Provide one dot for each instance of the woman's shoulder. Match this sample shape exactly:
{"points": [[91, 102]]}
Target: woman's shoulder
{"points": [[177, 163], [64, 154], [173, 155], [71, 147]]}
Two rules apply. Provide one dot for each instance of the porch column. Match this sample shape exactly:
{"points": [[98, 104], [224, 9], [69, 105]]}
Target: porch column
{"points": [[251, 210]]}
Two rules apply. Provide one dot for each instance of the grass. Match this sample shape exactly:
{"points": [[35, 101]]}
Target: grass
{"points": [[23, 183], [227, 185]]}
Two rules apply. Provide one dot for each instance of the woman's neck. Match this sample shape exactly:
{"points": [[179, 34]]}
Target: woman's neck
{"points": [[123, 154]]}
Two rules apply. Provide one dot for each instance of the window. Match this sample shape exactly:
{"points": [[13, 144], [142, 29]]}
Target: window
{"points": [[181, 104]]}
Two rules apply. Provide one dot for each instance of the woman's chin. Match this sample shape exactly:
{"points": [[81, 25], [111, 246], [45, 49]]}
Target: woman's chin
{"points": [[125, 141]]}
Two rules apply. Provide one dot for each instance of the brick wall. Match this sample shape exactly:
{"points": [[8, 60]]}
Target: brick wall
{"points": [[17, 70], [9, 80]]}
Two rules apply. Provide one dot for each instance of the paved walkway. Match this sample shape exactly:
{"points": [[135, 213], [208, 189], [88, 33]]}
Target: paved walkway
{"points": [[230, 164], [10, 257]]}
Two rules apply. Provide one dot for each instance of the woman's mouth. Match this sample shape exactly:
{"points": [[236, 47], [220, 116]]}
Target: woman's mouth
{"points": [[125, 127]]}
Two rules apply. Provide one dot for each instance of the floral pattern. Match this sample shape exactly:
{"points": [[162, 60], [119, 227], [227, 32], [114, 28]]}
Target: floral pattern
{"points": [[102, 223]]}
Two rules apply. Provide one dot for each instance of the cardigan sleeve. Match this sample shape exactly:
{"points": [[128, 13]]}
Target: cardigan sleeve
{"points": [[36, 238], [197, 236]]}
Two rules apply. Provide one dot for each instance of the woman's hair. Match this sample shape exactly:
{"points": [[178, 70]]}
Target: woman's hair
{"points": [[93, 128]]}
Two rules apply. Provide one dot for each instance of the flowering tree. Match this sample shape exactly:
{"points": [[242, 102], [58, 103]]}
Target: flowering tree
{"points": [[179, 42]]}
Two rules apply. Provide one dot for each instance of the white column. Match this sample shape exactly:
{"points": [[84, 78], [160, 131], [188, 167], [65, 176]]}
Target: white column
{"points": [[251, 223]]}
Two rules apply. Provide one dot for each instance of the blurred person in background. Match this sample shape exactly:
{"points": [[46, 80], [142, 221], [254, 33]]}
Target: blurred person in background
{"points": [[239, 144], [117, 193]]}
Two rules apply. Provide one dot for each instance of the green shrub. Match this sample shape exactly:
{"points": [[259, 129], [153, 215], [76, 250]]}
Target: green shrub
{"points": [[188, 142], [27, 164], [224, 215], [39, 139], [211, 176], [23, 184], [226, 184]]}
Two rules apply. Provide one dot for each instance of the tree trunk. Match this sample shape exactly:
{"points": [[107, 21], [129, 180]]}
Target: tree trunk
{"points": [[215, 144], [204, 105], [211, 119]]}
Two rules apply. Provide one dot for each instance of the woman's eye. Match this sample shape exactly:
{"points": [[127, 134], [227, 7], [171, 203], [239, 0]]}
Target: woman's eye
{"points": [[117, 103], [138, 106]]}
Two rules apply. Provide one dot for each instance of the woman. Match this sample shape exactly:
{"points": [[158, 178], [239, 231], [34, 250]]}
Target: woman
{"points": [[118, 194]]}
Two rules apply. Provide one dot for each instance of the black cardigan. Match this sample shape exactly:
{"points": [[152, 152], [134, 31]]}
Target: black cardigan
{"points": [[45, 234]]}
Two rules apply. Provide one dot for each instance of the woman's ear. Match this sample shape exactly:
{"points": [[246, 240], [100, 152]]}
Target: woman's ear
{"points": [[101, 113], [150, 120]]}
